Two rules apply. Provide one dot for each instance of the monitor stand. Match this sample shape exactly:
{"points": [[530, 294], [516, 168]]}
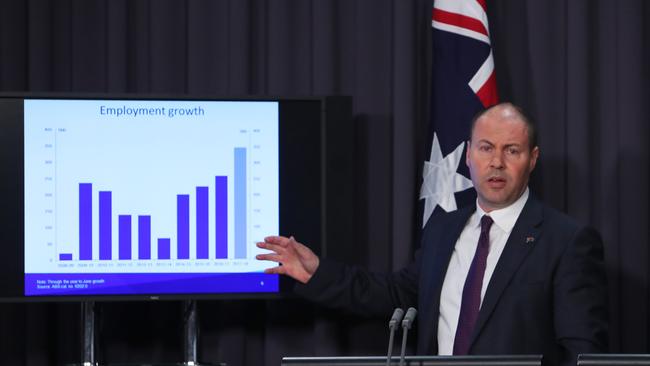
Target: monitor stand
{"points": [[190, 339], [88, 333], [190, 332]]}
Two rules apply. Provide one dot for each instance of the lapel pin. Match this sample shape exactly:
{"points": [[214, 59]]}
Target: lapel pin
{"points": [[530, 239]]}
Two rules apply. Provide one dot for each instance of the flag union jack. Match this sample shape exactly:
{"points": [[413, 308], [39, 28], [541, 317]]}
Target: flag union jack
{"points": [[469, 18]]}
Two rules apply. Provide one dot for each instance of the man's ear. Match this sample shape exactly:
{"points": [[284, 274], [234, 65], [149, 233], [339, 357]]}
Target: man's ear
{"points": [[534, 154], [467, 147]]}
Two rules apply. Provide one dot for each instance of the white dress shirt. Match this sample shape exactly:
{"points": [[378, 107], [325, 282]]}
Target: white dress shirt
{"points": [[461, 259]]}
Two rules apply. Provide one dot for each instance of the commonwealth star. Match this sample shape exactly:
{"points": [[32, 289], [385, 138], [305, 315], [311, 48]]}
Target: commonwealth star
{"points": [[441, 180]]}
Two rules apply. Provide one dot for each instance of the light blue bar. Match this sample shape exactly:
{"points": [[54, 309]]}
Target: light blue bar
{"points": [[240, 203]]}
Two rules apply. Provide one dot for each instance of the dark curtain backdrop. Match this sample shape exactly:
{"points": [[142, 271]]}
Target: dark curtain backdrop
{"points": [[580, 67]]}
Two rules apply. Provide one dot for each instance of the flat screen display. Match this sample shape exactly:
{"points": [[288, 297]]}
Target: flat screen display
{"points": [[115, 197], [136, 196]]}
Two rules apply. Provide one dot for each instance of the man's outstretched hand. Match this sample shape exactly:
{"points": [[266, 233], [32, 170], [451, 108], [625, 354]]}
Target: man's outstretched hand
{"points": [[295, 259]]}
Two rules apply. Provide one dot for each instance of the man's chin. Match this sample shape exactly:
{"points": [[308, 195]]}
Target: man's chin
{"points": [[494, 202]]}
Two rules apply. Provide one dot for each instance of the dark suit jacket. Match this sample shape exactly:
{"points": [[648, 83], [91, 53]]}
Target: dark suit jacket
{"points": [[546, 296]]}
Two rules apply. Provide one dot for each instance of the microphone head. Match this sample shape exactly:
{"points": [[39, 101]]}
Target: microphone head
{"points": [[396, 318], [408, 319]]}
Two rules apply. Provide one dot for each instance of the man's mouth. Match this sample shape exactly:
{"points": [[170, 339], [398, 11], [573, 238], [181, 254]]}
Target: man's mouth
{"points": [[496, 182]]}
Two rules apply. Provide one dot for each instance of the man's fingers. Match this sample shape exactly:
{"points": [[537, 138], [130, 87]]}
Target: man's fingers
{"points": [[275, 270], [274, 247], [278, 240], [269, 257]]}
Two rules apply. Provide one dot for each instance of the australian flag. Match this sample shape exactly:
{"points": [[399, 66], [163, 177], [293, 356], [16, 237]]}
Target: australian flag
{"points": [[463, 83]]}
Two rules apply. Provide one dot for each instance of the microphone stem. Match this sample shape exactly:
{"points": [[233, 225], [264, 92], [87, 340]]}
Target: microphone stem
{"points": [[401, 357], [390, 345]]}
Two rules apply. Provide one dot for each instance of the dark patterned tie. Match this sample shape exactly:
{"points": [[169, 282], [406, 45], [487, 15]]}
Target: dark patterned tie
{"points": [[471, 300]]}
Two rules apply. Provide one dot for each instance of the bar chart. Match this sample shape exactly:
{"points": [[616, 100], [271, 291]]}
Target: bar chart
{"points": [[128, 187], [126, 224]]}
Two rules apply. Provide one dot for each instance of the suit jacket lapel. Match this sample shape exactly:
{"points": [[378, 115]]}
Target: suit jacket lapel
{"points": [[522, 239]]}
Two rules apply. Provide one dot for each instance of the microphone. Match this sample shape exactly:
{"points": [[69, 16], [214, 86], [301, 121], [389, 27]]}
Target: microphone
{"points": [[406, 325], [392, 326]]}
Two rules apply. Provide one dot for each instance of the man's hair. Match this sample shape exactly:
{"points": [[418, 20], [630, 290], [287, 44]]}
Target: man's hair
{"points": [[519, 114]]}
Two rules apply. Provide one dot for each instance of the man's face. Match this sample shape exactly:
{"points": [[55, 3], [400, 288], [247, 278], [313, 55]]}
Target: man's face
{"points": [[499, 158]]}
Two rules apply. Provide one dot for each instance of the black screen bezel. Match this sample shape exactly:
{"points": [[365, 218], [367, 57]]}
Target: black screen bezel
{"points": [[300, 159]]}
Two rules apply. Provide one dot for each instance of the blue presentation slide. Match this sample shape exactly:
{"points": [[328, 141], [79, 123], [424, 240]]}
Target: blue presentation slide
{"points": [[131, 197]]}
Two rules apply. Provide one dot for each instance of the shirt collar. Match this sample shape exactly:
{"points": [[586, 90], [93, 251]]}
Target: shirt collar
{"points": [[505, 218]]}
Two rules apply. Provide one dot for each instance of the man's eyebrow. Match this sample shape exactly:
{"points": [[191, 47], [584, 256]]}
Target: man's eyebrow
{"points": [[506, 146]]}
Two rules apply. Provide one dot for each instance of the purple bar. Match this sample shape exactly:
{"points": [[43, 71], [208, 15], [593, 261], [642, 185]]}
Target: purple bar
{"points": [[144, 237], [163, 248], [124, 222], [65, 256], [85, 221], [202, 232], [183, 225], [105, 225], [221, 216]]}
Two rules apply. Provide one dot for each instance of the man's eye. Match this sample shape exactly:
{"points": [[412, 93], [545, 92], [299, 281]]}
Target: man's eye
{"points": [[513, 151], [485, 148]]}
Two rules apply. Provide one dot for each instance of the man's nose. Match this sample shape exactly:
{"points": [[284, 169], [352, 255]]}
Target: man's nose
{"points": [[496, 162]]}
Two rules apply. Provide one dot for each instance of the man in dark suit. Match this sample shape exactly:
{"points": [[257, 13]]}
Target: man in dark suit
{"points": [[508, 275]]}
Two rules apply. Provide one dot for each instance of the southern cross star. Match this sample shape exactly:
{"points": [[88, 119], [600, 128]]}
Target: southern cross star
{"points": [[441, 181]]}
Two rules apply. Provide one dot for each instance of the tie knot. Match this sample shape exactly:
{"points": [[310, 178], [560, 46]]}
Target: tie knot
{"points": [[486, 223]]}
